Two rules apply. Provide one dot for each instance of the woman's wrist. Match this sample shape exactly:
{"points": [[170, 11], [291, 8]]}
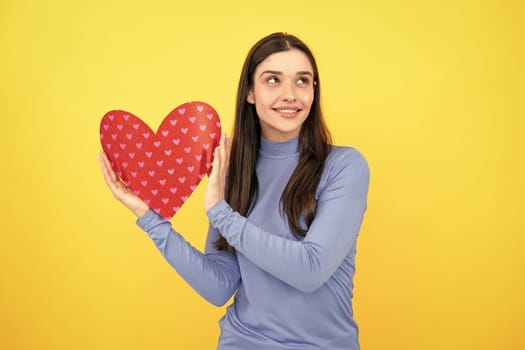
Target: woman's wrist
{"points": [[140, 211], [211, 204]]}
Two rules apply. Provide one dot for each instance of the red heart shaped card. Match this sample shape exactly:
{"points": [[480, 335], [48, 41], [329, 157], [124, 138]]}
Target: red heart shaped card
{"points": [[163, 168]]}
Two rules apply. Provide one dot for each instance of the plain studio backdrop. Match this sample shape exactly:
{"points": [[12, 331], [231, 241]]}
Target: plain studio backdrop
{"points": [[431, 92]]}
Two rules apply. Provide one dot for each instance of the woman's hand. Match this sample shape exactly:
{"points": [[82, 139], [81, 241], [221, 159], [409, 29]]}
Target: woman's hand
{"points": [[120, 190], [217, 179]]}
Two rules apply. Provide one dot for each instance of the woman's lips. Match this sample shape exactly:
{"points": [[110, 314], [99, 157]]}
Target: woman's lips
{"points": [[287, 112]]}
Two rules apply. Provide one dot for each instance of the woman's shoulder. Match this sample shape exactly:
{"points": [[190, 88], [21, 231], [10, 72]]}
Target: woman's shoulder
{"points": [[343, 156], [344, 166]]}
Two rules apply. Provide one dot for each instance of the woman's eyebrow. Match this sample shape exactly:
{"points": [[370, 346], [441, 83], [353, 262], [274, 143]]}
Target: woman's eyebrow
{"points": [[276, 72], [305, 72]]}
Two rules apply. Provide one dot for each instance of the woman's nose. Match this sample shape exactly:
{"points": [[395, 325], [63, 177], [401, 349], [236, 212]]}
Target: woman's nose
{"points": [[288, 93]]}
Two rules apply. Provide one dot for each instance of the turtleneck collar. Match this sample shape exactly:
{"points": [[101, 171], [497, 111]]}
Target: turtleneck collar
{"points": [[284, 149]]}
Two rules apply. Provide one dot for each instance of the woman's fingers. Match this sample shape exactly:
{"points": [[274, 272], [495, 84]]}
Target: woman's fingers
{"points": [[120, 190], [219, 157], [103, 165], [112, 180], [107, 171], [216, 158], [227, 148], [222, 152], [217, 179]]}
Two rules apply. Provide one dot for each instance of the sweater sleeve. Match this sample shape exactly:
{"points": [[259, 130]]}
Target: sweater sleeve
{"points": [[306, 264], [214, 274]]}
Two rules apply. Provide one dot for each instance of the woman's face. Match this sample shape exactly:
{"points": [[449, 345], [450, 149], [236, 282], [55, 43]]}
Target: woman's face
{"points": [[283, 92]]}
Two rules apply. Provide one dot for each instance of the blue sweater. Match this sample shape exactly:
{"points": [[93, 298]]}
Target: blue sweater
{"points": [[289, 293]]}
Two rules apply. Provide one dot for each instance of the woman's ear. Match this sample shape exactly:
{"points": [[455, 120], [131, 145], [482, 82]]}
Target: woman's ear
{"points": [[249, 98]]}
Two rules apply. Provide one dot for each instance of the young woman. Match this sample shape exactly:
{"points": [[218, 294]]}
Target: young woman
{"points": [[285, 208]]}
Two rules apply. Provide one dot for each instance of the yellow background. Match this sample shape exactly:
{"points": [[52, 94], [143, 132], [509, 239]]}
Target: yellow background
{"points": [[430, 91]]}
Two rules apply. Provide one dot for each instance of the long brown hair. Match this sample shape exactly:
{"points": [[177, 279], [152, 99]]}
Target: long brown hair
{"points": [[298, 198]]}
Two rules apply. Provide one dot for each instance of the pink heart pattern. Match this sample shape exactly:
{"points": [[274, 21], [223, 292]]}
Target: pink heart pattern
{"points": [[165, 167]]}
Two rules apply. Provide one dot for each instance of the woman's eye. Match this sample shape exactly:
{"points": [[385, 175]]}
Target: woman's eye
{"points": [[272, 80], [303, 81]]}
